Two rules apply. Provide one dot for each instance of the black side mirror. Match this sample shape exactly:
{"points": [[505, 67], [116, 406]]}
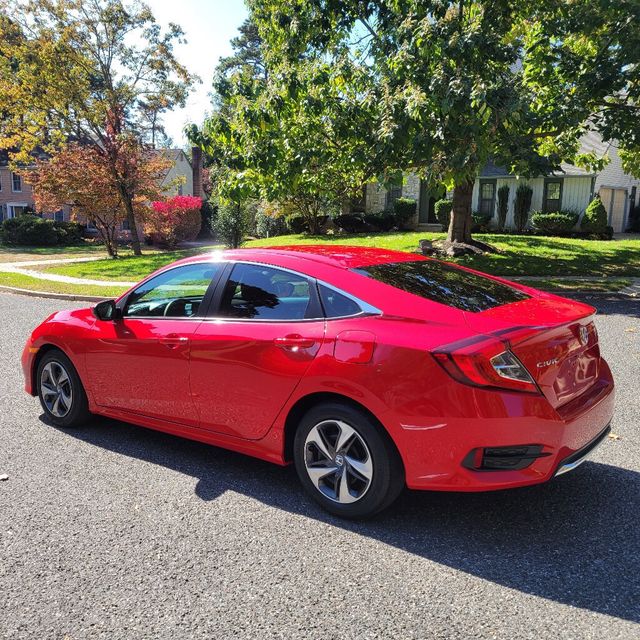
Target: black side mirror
{"points": [[106, 310]]}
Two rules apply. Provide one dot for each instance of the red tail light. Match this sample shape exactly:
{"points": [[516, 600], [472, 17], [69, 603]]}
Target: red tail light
{"points": [[485, 362]]}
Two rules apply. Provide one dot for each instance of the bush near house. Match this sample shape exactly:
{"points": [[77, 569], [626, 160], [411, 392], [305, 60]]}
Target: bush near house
{"points": [[351, 223], [503, 206], [558, 222], [174, 220], [443, 212], [31, 230], [404, 209], [381, 221], [521, 207], [595, 218], [232, 224], [480, 222]]}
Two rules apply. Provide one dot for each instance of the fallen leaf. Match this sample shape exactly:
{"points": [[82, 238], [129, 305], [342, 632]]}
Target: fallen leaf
{"points": [[4, 476], [631, 330], [614, 436]]}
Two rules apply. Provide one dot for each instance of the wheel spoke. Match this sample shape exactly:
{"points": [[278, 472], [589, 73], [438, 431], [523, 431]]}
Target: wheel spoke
{"points": [[364, 469], [343, 493], [346, 433], [62, 377], [318, 473], [47, 390], [315, 437], [55, 409]]}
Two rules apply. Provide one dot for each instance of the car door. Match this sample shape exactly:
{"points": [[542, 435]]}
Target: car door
{"points": [[140, 361], [264, 329]]}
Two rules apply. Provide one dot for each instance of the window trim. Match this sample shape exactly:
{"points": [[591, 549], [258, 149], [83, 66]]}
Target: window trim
{"points": [[14, 175], [122, 302], [494, 183], [366, 309], [545, 190]]}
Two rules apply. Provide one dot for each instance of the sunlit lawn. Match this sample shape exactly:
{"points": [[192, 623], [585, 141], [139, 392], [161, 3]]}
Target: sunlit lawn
{"points": [[521, 255]]}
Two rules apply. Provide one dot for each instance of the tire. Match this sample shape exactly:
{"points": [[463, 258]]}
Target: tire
{"points": [[60, 391], [359, 479]]}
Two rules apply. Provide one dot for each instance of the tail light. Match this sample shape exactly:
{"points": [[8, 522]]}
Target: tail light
{"points": [[485, 362]]}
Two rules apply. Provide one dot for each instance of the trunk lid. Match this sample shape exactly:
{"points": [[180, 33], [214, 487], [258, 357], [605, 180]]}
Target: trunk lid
{"points": [[554, 338]]}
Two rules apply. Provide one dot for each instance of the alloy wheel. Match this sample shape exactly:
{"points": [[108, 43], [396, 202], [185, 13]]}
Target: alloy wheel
{"points": [[338, 461], [56, 389]]}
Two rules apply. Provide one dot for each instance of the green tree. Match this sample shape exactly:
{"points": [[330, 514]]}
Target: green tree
{"points": [[448, 85], [92, 72]]}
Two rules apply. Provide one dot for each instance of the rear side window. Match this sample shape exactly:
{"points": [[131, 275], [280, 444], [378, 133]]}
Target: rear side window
{"points": [[337, 305], [263, 293], [445, 284]]}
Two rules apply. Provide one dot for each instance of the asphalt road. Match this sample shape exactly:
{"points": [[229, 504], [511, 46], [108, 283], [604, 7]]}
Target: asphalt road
{"points": [[113, 531]]}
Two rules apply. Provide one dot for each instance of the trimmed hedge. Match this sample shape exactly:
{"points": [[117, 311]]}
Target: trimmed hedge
{"points": [[443, 212], [404, 209], [351, 223], [595, 218], [34, 231], [381, 221], [556, 222], [480, 222]]}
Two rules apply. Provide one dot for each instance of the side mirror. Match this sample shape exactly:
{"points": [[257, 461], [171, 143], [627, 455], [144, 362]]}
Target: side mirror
{"points": [[106, 310]]}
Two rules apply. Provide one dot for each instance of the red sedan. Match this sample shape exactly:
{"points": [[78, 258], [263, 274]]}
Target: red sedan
{"points": [[371, 370]]}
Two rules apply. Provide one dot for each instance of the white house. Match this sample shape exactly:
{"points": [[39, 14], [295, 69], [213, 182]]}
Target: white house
{"points": [[571, 188]]}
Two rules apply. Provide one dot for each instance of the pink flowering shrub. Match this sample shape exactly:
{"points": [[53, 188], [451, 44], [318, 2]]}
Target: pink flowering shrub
{"points": [[174, 220]]}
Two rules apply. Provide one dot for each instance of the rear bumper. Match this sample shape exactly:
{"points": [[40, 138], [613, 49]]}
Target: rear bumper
{"points": [[556, 441]]}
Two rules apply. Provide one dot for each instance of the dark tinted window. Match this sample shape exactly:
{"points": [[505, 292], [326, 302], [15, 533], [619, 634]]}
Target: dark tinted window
{"points": [[444, 283], [336, 305], [256, 291], [174, 293]]}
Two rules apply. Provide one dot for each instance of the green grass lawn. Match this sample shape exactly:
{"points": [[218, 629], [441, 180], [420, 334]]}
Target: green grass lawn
{"points": [[35, 284], [546, 257], [20, 254], [606, 285]]}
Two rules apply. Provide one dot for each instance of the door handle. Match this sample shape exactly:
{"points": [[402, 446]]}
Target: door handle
{"points": [[294, 342], [174, 341]]}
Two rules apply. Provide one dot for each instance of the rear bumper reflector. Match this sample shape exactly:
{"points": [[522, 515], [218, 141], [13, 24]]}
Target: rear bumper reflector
{"points": [[512, 458]]}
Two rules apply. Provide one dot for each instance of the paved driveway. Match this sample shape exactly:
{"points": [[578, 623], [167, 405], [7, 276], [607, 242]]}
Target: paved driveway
{"points": [[118, 532]]}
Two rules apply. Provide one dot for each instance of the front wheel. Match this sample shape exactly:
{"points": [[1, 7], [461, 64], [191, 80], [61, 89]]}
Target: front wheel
{"points": [[60, 390], [346, 462]]}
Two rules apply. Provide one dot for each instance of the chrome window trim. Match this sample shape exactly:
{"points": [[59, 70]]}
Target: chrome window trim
{"points": [[366, 309]]}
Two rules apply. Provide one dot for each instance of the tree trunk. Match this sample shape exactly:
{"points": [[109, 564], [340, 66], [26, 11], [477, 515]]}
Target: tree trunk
{"points": [[461, 221], [133, 229]]}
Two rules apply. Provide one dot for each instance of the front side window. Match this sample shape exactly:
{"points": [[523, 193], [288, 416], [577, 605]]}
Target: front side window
{"points": [[16, 182], [59, 216], [487, 197], [445, 284], [552, 196], [264, 293], [177, 293]]}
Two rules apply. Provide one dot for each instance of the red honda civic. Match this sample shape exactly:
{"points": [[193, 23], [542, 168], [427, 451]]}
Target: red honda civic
{"points": [[371, 370]]}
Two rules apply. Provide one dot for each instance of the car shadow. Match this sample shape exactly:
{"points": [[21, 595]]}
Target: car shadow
{"points": [[574, 540]]}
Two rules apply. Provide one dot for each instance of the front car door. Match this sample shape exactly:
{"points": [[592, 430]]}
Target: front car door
{"points": [[140, 362], [264, 329]]}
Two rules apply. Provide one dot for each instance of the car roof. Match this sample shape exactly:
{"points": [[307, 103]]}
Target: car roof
{"points": [[341, 256]]}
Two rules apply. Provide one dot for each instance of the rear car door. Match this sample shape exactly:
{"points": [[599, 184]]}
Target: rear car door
{"points": [[264, 329], [140, 361]]}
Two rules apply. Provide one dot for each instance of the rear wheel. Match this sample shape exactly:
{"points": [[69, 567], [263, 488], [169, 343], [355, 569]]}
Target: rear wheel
{"points": [[60, 390], [345, 462]]}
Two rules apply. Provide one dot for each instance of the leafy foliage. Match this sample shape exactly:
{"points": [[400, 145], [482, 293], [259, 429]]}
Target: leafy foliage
{"points": [[96, 73], [232, 224], [34, 231], [404, 209], [174, 220], [82, 176], [503, 206], [556, 222], [595, 217], [521, 207]]}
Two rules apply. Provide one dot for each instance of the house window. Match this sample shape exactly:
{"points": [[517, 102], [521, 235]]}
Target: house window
{"points": [[487, 197], [16, 183], [552, 200], [125, 225], [393, 194], [15, 210], [91, 226], [58, 216]]}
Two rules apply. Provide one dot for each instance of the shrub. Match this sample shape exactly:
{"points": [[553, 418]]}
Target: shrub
{"points": [[174, 220], [503, 206], [268, 226], [381, 220], [351, 223], [557, 222], [232, 224], [404, 209], [595, 218], [29, 230], [521, 207], [69, 232], [480, 222], [443, 212]]}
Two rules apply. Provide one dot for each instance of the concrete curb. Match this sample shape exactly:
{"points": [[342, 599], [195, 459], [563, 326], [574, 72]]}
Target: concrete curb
{"points": [[50, 294]]}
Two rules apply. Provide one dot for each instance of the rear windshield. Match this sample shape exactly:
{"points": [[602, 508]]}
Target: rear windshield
{"points": [[444, 283]]}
